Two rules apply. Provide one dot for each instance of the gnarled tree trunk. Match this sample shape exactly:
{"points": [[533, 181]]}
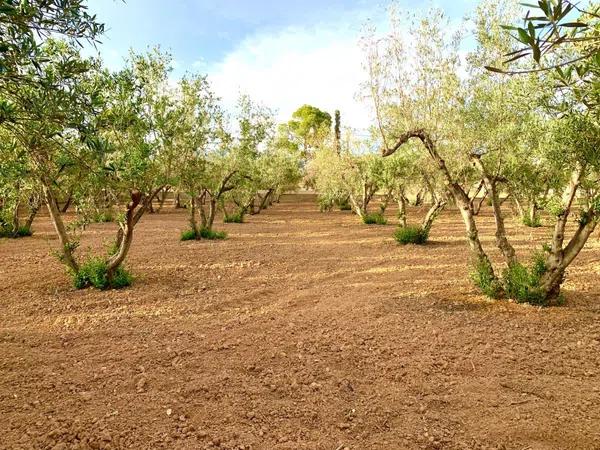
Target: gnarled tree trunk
{"points": [[491, 186], [162, 198], [402, 205], [34, 207], [115, 261], [386, 201], [59, 226], [436, 209]]}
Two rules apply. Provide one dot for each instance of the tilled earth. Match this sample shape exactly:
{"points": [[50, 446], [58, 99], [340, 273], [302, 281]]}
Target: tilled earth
{"points": [[301, 331]]}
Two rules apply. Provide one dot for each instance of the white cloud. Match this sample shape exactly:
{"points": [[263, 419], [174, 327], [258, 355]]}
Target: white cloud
{"points": [[320, 65]]}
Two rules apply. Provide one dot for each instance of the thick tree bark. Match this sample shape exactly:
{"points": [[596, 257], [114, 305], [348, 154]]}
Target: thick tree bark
{"points": [[162, 198], [552, 280], [212, 212], [193, 220], [436, 208], [533, 212], [402, 204], [15, 220], [67, 204], [357, 207], [34, 207], [559, 230], [252, 207], [479, 204], [265, 199], [59, 227], [519, 207], [419, 198], [178, 200], [491, 186], [147, 201], [386, 201], [115, 261], [201, 208], [361, 206]]}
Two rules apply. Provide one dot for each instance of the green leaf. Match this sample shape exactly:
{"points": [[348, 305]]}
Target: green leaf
{"points": [[537, 54], [524, 36], [494, 69], [575, 25]]}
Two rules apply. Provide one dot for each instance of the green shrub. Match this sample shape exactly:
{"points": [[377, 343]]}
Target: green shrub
{"points": [[24, 231], [522, 283], [344, 205], [212, 235], [325, 204], [412, 234], [519, 282], [191, 235], [188, 235], [535, 223], [103, 217], [234, 218], [6, 231], [374, 219], [112, 249], [484, 279], [94, 273]]}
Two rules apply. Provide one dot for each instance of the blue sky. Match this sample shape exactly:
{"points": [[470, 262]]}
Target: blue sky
{"points": [[276, 51], [206, 29]]}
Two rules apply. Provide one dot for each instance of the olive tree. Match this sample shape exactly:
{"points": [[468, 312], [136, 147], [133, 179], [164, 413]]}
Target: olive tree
{"points": [[222, 159], [78, 115], [18, 190]]}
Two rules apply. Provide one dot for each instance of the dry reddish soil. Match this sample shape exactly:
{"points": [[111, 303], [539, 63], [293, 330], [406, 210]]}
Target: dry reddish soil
{"points": [[302, 331]]}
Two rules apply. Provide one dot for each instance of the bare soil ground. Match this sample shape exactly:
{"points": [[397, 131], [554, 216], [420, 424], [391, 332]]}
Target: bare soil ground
{"points": [[302, 331]]}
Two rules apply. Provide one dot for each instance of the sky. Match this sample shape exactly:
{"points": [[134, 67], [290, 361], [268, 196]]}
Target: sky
{"points": [[282, 53]]}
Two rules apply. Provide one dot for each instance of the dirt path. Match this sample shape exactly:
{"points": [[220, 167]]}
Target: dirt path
{"points": [[302, 331]]}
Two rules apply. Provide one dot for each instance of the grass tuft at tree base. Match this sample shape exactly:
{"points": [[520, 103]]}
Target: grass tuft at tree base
{"points": [[21, 232], [234, 218], [191, 235], [94, 273], [344, 205], [523, 284], [519, 282], [374, 219], [535, 223], [484, 279], [411, 234]]}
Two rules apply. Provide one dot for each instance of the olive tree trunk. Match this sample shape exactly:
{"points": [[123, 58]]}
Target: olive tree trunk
{"points": [[561, 256], [491, 186], [127, 226], [436, 209], [402, 205], [59, 226], [386, 201]]}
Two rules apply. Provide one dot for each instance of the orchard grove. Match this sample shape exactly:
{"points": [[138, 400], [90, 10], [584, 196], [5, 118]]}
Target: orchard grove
{"points": [[511, 124]]}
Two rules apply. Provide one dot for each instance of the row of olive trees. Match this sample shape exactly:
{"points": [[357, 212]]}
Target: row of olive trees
{"points": [[512, 136], [354, 176], [107, 143]]}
